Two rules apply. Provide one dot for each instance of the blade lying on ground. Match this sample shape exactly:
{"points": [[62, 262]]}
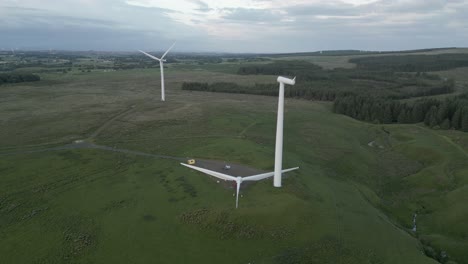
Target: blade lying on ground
{"points": [[219, 175], [232, 178], [265, 175]]}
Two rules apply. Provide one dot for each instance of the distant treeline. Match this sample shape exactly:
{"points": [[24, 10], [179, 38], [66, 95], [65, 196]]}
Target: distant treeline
{"points": [[412, 63], [322, 91], [18, 78], [384, 83], [316, 83], [297, 91], [228, 87], [201, 59], [350, 52], [445, 114], [280, 68], [451, 113], [368, 95], [247, 59]]}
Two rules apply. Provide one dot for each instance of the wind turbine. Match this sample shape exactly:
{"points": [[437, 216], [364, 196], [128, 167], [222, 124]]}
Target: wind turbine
{"points": [[238, 179], [161, 65], [279, 130]]}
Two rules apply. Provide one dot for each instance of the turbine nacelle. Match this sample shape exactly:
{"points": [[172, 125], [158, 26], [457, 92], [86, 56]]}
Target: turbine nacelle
{"points": [[285, 80]]}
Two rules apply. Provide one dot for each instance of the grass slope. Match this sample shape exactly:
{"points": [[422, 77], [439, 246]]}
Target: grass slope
{"points": [[81, 206]]}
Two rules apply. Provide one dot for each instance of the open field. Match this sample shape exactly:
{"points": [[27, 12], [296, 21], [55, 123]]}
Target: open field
{"points": [[458, 74], [351, 201], [327, 62], [333, 62]]}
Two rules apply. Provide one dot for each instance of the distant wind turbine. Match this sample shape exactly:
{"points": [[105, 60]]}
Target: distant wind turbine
{"points": [[279, 130], [238, 179], [161, 65]]}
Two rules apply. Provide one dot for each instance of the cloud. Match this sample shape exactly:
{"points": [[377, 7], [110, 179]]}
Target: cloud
{"points": [[249, 15], [325, 9], [236, 25], [202, 6], [74, 37]]}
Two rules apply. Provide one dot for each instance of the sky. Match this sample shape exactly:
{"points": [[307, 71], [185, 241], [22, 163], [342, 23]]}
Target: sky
{"points": [[250, 26]]}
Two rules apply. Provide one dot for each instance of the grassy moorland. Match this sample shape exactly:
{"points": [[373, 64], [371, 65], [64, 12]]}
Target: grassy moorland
{"points": [[352, 201]]}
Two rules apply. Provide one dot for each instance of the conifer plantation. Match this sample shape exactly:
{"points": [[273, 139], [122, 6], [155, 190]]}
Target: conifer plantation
{"points": [[372, 91]]}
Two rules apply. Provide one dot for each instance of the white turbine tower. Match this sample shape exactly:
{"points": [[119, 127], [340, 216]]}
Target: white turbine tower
{"points": [[279, 130], [238, 179], [161, 65]]}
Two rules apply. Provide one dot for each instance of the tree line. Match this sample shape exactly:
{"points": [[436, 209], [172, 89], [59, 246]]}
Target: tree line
{"points": [[382, 83], [297, 91], [351, 52], [280, 68], [364, 94], [325, 90], [450, 113], [18, 78], [412, 63]]}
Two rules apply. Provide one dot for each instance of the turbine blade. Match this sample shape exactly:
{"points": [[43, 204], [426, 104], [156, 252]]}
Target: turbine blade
{"points": [[237, 193], [149, 55], [167, 51], [265, 175], [219, 175]]}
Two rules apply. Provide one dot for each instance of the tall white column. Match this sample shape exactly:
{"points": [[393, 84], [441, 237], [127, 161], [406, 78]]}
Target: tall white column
{"points": [[163, 95], [279, 138]]}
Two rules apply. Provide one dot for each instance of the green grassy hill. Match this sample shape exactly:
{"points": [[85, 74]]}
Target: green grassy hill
{"points": [[351, 201]]}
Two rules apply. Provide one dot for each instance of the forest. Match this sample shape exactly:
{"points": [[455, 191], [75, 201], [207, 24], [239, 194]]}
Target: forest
{"points": [[451, 113], [412, 63], [316, 83], [313, 80], [371, 92], [18, 78]]}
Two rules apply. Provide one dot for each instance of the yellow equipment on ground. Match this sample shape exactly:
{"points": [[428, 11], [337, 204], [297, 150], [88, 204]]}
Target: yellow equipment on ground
{"points": [[191, 161]]}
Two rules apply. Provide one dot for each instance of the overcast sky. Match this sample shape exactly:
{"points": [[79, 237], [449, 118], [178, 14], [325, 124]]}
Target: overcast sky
{"points": [[234, 25]]}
